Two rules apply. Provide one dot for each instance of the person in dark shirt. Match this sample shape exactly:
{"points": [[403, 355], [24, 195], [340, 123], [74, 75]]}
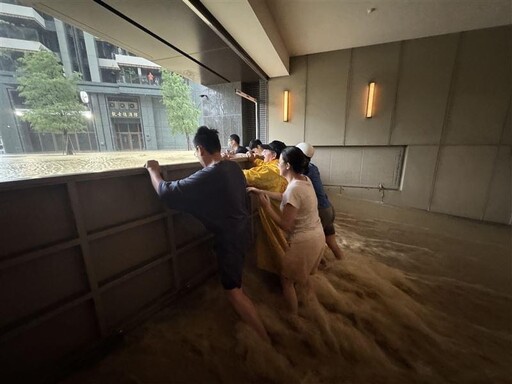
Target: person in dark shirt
{"points": [[234, 145], [216, 195]]}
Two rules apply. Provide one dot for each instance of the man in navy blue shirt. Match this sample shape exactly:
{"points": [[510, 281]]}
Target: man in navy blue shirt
{"points": [[216, 195]]}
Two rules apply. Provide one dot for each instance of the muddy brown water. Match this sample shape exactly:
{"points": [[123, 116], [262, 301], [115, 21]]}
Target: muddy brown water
{"points": [[18, 167], [406, 305]]}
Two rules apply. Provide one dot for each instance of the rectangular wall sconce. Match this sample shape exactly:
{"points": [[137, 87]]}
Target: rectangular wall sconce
{"points": [[370, 100], [286, 106]]}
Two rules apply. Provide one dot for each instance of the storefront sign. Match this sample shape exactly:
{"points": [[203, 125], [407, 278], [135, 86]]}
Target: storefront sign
{"points": [[124, 109], [127, 115]]}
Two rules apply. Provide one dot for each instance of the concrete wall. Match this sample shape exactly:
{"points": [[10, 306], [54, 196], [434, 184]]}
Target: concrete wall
{"points": [[444, 101]]}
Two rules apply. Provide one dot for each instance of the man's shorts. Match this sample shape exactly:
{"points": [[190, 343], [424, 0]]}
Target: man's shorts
{"points": [[327, 216], [230, 258]]}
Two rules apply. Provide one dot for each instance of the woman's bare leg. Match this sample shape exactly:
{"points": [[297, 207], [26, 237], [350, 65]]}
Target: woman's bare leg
{"points": [[290, 294], [333, 245]]}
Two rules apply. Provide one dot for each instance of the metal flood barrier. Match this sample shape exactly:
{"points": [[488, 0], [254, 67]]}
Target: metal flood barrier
{"points": [[83, 257]]}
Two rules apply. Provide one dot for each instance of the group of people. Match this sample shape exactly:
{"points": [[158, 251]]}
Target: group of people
{"points": [[296, 217]]}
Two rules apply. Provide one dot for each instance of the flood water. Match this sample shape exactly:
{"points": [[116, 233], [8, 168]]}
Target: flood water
{"points": [[17, 167], [408, 304]]}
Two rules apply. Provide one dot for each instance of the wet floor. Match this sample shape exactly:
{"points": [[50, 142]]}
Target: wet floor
{"points": [[18, 167], [407, 305]]}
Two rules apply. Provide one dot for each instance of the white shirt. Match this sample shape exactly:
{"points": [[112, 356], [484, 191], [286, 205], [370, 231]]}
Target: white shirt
{"points": [[301, 195]]}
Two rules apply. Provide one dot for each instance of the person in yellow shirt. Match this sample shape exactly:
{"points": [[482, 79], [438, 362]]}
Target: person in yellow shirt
{"points": [[271, 242]]}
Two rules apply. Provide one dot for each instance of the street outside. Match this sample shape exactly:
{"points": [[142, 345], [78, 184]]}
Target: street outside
{"points": [[18, 167]]}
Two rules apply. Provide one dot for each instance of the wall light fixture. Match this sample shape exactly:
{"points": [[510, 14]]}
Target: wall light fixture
{"points": [[286, 106], [370, 100]]}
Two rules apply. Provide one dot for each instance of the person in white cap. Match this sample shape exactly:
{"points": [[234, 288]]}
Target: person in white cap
{"points": [[325, 208]]}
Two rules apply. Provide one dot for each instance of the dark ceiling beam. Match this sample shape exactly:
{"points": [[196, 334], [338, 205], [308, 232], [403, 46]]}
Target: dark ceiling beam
{"points": [[154, 35], [204, 14]]}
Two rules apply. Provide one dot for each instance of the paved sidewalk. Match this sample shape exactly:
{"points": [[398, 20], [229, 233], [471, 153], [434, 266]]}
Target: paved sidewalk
{"points": [[17, 167]]}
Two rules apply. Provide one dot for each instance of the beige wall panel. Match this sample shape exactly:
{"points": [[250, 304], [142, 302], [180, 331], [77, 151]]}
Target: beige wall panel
{"points": [[423, 88], [499, 207], [482, 88], [463, 179], [291, 132], [34, 218], [27, 358], [25, 288], [345, 167], [118, 253], [125, 300], [107, 211], [378, 63], [322, 160], [326, 100], [417, 179]]}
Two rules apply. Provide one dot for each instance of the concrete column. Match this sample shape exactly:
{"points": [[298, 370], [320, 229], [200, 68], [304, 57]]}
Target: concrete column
{"points": [[102, 122], [63, 45], [92, 57], [148, 122], [8, 125]]}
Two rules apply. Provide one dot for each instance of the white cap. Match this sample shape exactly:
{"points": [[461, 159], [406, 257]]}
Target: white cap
{"points": [[306, 149]]}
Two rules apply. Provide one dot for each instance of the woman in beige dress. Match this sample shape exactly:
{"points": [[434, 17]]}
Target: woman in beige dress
{"points": [[299, 219]]}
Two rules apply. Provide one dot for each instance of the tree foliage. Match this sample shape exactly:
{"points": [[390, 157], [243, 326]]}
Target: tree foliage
{"points": [[51, 98], [182, 114]]}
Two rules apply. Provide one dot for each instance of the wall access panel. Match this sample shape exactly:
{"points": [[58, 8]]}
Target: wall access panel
{"points": [[417, 177], [345, 167], [364, 167]]}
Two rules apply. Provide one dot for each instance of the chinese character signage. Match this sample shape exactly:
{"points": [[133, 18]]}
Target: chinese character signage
{"points": [[125, 115], [124, 109]]}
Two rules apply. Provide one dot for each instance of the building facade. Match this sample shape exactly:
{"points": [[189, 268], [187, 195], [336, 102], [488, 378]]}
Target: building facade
{"points": [[123, 91]]}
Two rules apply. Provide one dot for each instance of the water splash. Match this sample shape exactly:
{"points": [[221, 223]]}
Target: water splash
{"points": [[395, 310]]}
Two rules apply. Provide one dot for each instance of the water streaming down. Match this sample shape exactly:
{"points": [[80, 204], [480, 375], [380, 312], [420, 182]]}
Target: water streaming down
{"points": [[406, 305]]}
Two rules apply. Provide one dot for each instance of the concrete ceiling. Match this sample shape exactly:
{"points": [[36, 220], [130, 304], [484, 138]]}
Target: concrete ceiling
{"points": [[201, 41], [272, 31]]}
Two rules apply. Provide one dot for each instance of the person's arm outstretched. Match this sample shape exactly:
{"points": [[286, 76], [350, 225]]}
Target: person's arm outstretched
{"points": [[286, 219], [273, 195], [154, 172]]}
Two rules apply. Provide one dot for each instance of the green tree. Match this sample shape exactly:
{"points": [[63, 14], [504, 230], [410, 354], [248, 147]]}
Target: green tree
{"points": [[182, 114], [51, 97]]}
